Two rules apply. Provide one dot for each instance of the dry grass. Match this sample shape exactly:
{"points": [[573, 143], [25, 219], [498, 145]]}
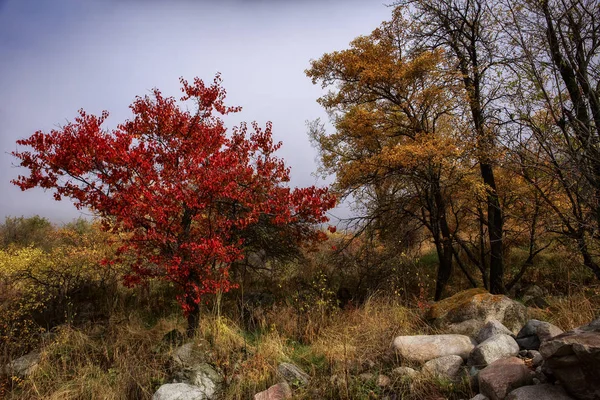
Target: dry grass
{"points": [[335, 347], [573, 311], [363, 335], [124, 360], [117, 362]]}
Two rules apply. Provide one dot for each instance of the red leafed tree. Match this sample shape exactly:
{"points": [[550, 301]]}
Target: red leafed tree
{"points": [[177, 184]]}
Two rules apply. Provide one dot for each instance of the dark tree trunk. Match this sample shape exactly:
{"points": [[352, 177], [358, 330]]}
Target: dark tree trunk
{"points": [[495, 228], [443, 243], [588, 261], [444, 251], [193, 319], [483, 264]]}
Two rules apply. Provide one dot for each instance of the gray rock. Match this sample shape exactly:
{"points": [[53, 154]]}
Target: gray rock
{"points": [[366, 377], [280, 391], [469, 327], [405, 372], [536, 358], [540, 376], [422, 348], [478, 304], [383, 380], [23, 366], [205, 377], [501, 377], [495, 348], [574, 359], [539, 392], [292, 374], [544, 369], [491, 328], [448, 367], [537, 302], [180, 391], [188, 355], [533, 291], [191, 369], [479, 397], [536, 332]]}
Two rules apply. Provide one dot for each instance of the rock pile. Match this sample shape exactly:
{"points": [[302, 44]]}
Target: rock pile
{"points": [[507, 357]]}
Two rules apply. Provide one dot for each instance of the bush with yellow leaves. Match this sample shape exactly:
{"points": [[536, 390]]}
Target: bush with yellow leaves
{"points": [[42, 288]]}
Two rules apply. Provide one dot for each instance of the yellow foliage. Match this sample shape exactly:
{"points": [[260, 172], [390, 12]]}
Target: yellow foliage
{"points": [[39, 283]]}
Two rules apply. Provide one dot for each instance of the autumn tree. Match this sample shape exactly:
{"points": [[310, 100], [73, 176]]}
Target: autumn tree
{"points": [[175, 185], [22, 232], [466, 29], [555, 110], [397, 148]]}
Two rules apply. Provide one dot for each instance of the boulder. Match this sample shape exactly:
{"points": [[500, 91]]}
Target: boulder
{"points": [[533, 291], [536, 302], [536, 332], [191, 368], [23, 366], [539, 376], [383, 381], [404, 373], [469, 327], [180, 391], [366, 377], [497, 347], [422, 348], [479, 397], [491, 328], [188, 355], [292, 374], [574, 359], [539, 392], [536, 358], [205, 377], [280, 391], [501, 377], [533, 296], [448, 367], [477, 304]]}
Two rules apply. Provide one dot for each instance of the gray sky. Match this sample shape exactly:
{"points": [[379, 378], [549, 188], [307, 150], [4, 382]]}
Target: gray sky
{"points": [[57, 56]]}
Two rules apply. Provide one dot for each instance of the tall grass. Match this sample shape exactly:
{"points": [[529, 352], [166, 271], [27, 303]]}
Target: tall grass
{"points": [[126, 358], [118, 361]]}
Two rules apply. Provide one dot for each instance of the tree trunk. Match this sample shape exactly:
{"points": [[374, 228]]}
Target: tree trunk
{"points": [[444, 248], [588, 261], [495, 227], [193, 319]]}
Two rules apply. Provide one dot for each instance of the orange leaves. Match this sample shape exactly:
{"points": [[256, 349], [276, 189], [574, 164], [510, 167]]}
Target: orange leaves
{"points": [[392, 110]]}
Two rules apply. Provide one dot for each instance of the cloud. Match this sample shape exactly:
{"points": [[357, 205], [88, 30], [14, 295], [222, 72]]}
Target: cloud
{"points": [[62, 55]]}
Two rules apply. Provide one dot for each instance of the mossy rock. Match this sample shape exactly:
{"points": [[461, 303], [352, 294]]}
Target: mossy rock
{"points": [[477, 305], [460, 299]]}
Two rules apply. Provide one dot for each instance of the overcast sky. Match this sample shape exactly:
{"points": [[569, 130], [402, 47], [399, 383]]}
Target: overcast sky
{"points": [[57, 56]]}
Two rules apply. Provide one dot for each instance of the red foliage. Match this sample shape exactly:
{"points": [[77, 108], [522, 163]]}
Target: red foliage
{"points": [[175, 183]]}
